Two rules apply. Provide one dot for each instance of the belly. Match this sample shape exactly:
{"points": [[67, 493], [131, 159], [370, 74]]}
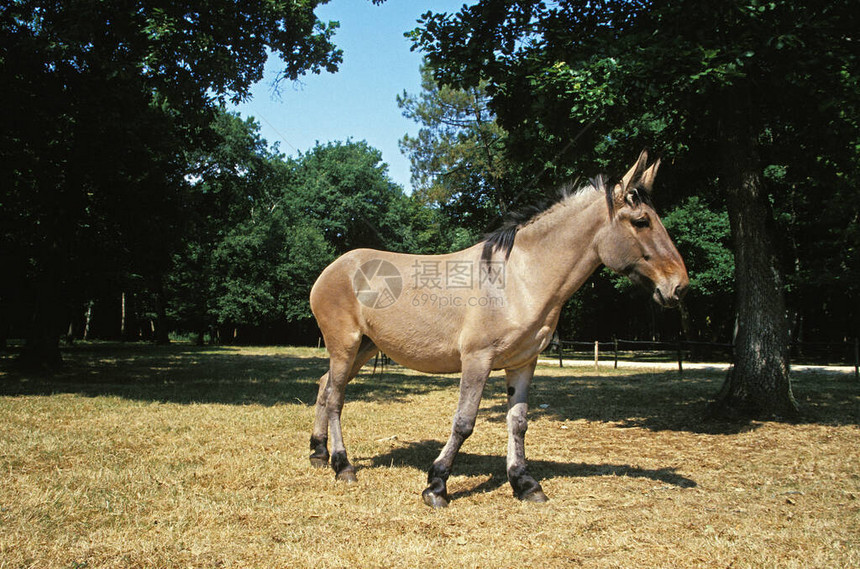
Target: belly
{"points": [[437, 339], [426, 362], [417, 343], [524, 350]]}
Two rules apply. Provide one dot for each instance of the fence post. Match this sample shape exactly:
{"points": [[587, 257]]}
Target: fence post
{"points": [[596, 365], [615, 341], [560, 362]]}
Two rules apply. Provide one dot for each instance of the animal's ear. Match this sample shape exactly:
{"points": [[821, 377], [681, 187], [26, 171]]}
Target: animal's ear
{"points": [[646, 182], [635, 172], [628, 182]]}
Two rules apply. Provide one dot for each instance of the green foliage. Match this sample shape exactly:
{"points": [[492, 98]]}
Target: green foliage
{"points": [[457, 158], [265, 226], [555, 68], [703, 239], [264, 271], [122, 173], [582, 86], [104, 100], [307, 254], [230, 184], [344, 190]]}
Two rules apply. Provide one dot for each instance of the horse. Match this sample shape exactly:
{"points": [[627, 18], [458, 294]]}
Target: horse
{"points": [[492, 306]]}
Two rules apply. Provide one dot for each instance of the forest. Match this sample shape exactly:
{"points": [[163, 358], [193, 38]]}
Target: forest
{"points": [[135, 206]]}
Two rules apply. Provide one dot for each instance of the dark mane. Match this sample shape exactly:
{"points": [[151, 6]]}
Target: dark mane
{"points": [[502, 239]]}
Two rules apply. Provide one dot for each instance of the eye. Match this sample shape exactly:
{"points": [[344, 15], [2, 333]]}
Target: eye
{"points": [[641, 222]]}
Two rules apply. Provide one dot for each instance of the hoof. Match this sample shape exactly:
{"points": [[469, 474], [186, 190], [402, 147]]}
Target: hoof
{"points": [[319, 462], [346, 475], [435, 501], [537, 496]]}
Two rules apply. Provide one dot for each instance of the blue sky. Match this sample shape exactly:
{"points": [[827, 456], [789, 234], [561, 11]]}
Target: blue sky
{"points": [[359, 101]]}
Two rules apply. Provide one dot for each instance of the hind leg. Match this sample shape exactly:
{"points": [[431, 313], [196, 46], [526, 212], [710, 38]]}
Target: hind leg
{"points": [[344, 365], [319, 434]]}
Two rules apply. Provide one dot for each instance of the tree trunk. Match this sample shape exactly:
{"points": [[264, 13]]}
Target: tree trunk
{"points": [[161, 331], [758, 384], [5, 326], [122, 316], [42, 344], [88, 319]]}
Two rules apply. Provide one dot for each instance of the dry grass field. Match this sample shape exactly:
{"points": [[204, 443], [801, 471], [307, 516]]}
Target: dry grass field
{"points": [[138, 456]]}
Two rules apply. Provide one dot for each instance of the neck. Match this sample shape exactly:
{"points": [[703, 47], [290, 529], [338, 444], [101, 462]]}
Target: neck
{"points": [[554, 254]]}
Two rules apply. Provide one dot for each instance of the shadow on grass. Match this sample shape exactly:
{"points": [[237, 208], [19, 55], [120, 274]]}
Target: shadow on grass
{"points": [[654, 400], [188, 374], [668, 401], [421, 454]]}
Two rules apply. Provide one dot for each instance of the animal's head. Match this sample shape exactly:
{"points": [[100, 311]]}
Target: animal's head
{"points": [[635, 244]]}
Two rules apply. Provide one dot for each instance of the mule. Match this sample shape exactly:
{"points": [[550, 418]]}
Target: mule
{"points": [[492, 306]]}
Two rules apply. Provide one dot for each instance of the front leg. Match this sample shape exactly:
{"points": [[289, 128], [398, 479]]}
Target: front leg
{"points": [[525, 487], [472, 384]]}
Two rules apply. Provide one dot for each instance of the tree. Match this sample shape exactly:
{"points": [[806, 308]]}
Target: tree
{"points": [[821, 251], [725, 86], [266, 226], [233, 181], [265, 268], [457, 158], [343, 189], [702, 235], [102, 99]]}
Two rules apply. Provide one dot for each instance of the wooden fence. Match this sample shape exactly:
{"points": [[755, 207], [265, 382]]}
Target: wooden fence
{"points": [[680, 351]]}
